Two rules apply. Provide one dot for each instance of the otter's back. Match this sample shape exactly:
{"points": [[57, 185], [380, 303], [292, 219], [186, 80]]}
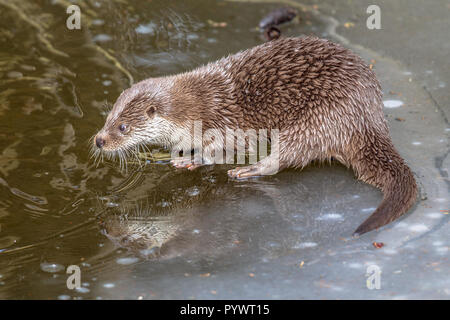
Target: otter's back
{"points": [[293, 79]]}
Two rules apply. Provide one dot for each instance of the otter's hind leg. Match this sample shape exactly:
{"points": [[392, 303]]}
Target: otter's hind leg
{"points": [[287, 152]]}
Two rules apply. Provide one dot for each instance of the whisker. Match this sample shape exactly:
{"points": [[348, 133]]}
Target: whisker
{"points": [[122, 155]]}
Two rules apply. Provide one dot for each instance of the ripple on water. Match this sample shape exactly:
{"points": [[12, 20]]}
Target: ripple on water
{"points": [[193, 191], [8, 241], [98, 22], [83, 290], [149, 28], [127, 261], [52, 267], [111, 204], [15, 74], [102, 38]]}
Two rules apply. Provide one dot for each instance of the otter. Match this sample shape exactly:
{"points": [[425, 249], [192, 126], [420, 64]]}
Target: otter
{"points": [[324, 100]]}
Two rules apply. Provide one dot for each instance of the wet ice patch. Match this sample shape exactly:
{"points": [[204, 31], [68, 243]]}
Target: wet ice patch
{"points": [[418, 227], [401, 224], [392, 103], [304, 245], [390, 251], [416, 143], [330, 216], [273, 244], [355, 265], [109, 285], [442, 250], [434, 215], [368, 209]]}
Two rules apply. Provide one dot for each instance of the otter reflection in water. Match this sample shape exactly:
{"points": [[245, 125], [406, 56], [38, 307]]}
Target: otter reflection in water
{"points": [[171, 221], [142, 230]]}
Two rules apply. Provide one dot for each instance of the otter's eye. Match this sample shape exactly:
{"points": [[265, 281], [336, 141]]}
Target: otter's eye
{"points": [[151, 110], [123, 127]]}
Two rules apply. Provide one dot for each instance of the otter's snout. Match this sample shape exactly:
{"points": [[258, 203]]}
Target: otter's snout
{"points": [[100, 141]]}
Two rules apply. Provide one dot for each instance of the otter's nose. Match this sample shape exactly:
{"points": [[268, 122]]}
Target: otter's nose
{"points": [[100, 142]]}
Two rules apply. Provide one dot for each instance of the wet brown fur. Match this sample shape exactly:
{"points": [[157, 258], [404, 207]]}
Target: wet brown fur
{"points": [[323, 98]]}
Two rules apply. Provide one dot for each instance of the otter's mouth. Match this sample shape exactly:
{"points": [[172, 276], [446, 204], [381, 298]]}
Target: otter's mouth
{"points": [[126, 154]]}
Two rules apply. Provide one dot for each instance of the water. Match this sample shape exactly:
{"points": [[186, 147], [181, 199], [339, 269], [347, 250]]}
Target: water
{"points": [[58, 209]]}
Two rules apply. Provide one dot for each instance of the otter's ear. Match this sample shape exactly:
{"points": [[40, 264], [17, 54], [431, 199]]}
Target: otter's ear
{"points": [[151, 111]]}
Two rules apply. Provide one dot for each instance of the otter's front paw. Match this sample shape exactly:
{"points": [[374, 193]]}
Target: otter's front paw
{"points": [[184, 163]]}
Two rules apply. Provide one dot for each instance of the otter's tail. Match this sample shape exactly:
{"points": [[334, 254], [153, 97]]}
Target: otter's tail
{"points": [[379, 164]]}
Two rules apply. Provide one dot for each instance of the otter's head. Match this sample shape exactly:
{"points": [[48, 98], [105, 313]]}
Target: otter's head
{"points": [[140, 232], [139, 117]]}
